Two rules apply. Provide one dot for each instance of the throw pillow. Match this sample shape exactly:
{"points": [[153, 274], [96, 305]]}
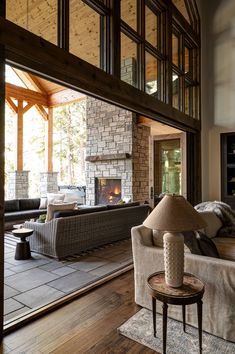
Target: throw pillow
{"points": [[51, 208], [51, 197], [212, 221], [199, 243], [72, 197], [43, 203]]}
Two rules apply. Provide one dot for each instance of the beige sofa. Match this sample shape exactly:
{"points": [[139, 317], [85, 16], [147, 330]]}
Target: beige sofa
{"points": [[218, 275]]}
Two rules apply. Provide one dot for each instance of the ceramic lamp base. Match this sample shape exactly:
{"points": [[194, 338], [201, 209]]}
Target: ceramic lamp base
{"points": [[174, 259]]}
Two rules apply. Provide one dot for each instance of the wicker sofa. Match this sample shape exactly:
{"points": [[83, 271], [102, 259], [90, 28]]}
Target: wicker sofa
{"points": [[218, 275], [67, 235]]}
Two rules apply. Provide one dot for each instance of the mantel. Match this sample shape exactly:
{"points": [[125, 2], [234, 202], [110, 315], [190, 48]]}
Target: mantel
{"points": [[96, 158]]}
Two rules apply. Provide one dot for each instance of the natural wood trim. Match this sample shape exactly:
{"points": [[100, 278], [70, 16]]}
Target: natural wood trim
{"points": [[42, 111], [10, 327], [63, 24], [12, 104], [27, 107], [50, 140], [21, 93], [27, 50], [63, 97], [20, 117], [108, 157]]}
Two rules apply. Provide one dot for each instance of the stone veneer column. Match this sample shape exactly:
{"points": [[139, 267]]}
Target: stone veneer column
{"points": [[48, 183], [18, 185], [140, 160]]}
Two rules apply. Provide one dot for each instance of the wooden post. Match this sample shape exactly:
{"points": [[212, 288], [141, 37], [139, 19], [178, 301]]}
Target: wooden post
{"points": [[50, 140], [20, 117]]}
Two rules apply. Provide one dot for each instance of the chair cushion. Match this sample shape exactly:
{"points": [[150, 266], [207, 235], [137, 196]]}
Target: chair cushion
{"points": [[65, 213], [29, 203], [213, 223], [24, 214], [225, 247], [12, 205]]}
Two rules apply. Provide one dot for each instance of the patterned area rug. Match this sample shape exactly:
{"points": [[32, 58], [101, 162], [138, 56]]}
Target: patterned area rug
{"points": [[139, 328]]}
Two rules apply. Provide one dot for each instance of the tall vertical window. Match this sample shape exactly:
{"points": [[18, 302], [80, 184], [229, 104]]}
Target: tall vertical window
{"points": [[151, 27], [84, 32], [152, 75], [129, 13], [128, 60]]}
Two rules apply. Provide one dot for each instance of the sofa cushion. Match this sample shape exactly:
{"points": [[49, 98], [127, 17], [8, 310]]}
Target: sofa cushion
{"points": [[225, 247], [24, 214], [12, 205], [65, 213], [51, 208], [212, 221], [29, 203]]}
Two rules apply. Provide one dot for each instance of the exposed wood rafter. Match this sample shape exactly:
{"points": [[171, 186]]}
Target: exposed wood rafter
{"points": [[64, 97], [12, 105], [30, 81], [27, 107], [42, 111], [21, 93]]}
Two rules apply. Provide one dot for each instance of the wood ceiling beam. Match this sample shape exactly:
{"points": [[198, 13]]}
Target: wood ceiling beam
{"points": [[27, 95], [30, 81], [12, 105], [63, 97]]}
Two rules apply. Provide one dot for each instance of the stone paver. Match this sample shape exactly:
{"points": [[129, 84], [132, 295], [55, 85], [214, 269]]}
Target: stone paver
{"points": [[14, 314], [106, 269], [9, 292], [63, 271], [30, 279], [73, 281], [11, 305], [29, 265], [39, 296], [88, 263]]}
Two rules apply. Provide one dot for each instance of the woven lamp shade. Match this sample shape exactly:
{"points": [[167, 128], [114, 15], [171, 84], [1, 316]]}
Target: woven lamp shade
{"points": [[175, 214]]}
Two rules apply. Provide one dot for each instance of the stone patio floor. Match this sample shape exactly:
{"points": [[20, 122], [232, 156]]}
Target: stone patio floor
{"points": [[32, 283]]}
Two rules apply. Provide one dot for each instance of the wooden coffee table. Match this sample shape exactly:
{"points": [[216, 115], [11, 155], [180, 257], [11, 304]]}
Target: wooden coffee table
{"points": [[22, 247], [189, 293]]}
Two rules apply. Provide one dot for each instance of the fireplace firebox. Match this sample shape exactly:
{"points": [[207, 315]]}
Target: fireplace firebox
{"points": [[107, 190]]}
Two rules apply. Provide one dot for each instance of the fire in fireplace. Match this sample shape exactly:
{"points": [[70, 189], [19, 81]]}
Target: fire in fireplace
{"points": [[107, 190]]}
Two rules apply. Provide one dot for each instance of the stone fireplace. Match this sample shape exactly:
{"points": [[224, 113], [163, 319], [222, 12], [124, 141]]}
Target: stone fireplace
{"points": [[117, 148], [107, 190]]}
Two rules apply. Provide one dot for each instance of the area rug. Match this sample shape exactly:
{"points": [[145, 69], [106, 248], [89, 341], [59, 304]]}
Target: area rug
{"points": [[140, 329]]}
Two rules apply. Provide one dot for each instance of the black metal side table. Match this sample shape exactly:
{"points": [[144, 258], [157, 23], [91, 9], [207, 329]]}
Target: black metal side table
{"points": [[189, 293], [22, 247]]}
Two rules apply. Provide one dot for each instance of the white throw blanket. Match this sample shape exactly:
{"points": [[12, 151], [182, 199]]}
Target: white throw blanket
{"points": [[224, 212]]}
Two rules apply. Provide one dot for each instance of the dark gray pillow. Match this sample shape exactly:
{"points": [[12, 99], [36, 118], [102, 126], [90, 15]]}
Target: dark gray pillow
{"points": [[199, 243]]}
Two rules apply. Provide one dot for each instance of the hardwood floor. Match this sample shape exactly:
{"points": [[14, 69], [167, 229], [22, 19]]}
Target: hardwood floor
{"points": [[86, 325]]}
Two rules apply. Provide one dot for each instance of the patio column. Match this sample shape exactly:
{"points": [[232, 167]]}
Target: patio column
{"points": [[18, 184], [49, 143], [48, 183]]}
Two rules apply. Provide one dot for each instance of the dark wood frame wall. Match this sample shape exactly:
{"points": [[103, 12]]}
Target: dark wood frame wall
{"points": [[27, 51]]}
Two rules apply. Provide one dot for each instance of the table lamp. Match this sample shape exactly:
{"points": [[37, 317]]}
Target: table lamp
{"points": [[174, 214]]}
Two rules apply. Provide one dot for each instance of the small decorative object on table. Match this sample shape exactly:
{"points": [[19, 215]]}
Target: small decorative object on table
{"points": [[174, 214], [42, 218], [190, 292]]}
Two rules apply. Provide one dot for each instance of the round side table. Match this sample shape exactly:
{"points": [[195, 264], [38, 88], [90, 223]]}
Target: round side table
{"points": [[189, 293], [22, 247]]}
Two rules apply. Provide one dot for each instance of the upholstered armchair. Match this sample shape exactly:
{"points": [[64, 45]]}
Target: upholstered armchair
{"points": [[217, 274]]}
